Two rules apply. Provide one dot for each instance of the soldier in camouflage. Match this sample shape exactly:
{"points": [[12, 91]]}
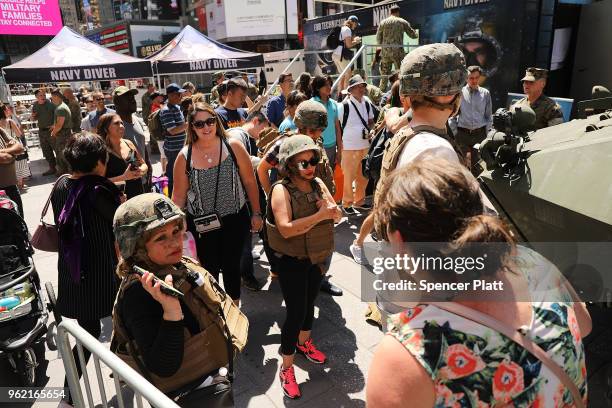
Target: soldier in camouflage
{"points": [[548, 112], [391, 32]]}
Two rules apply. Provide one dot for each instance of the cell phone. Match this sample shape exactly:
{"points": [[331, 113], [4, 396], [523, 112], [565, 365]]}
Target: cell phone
{"points": [[121, 186], [165, 288]]}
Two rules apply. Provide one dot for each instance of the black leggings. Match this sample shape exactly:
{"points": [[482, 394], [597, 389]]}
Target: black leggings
{"points": [[93, 327], [221, 250], [300, 281]]}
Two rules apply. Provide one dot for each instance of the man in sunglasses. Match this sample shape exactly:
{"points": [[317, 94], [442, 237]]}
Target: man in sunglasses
{"points": [[276, 105], [101, 109]]}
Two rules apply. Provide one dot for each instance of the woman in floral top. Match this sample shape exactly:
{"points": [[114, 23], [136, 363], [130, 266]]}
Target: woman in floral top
{"points": [[434, 358]]}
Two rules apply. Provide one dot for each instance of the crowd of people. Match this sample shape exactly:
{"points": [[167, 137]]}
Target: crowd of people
{"points": [[244, 164]]}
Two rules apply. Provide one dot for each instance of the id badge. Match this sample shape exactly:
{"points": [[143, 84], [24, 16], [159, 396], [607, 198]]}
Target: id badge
{"points": [[207, 223]]}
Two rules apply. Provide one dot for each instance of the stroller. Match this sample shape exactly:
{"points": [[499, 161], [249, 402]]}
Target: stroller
{"points": [[23, 313]]}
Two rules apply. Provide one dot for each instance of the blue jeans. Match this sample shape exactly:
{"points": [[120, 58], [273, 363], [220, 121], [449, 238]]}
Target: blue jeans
{"points": [[171, 156]]}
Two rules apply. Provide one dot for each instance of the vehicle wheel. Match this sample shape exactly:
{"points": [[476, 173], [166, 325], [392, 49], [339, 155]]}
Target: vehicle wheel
{"points": [[52, 302], [26, 367]]}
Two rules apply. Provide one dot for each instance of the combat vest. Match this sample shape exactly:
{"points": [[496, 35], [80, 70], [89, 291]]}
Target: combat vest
{"points": [[318, 243], [219, 320], [395, 147]]}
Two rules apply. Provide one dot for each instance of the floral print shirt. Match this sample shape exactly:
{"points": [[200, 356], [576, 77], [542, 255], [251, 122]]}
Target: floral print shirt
{"points": [[472, 365]]}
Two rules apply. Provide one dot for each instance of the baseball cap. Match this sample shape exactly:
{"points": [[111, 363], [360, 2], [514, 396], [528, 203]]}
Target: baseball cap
{"points": [[395, 7], [173, 87], [156, 94], [354, 18], [120, 90], [533, 74]]}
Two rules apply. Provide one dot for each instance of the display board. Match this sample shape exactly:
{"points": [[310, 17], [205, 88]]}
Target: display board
{"points": [[27, 17]]}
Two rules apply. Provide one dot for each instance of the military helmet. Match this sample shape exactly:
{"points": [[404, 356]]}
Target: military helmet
{"points": [[433, 70], [142, 213], [310, 115], [294, 145], [600, 91]]}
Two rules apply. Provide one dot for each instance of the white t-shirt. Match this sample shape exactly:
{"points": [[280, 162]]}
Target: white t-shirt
{"points": [[427, 144], [352, 136], [345, 32]]}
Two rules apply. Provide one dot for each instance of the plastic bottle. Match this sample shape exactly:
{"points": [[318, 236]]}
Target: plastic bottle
{"points": [[23, 291], [10, 302]]}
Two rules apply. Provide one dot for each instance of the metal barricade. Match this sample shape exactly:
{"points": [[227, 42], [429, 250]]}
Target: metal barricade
{"points": [[121, 371]]}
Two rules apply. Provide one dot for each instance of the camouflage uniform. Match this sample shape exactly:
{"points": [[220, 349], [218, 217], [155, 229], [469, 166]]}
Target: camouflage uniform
{"points": [[62, 137], [75, 112], [391, 32], [548, 112]]}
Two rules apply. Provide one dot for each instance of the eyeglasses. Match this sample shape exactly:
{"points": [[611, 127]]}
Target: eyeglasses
{"points": [[304, 164], [98, 99], [199, 124]]}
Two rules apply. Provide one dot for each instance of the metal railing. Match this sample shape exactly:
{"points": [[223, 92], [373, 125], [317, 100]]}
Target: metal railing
{"points": [[348, 67], [120, 370]]}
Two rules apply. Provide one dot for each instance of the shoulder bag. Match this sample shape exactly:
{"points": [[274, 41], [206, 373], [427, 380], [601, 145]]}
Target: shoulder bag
{"points": [[45, 237]]}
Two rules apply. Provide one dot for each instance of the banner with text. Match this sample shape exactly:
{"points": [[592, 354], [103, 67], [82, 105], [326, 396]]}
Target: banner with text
{"points": [[30, 17]]}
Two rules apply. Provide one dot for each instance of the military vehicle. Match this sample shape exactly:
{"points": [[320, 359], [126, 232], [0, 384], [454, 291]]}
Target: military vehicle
{"points": [[554, 187]]}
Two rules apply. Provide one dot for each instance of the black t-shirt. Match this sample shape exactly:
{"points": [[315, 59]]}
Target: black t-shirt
{"points": [[231, 118]]}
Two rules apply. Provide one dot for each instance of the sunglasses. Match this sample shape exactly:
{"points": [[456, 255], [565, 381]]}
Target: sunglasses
{"points": [[98, 99], [304, 164], [199, 124]]}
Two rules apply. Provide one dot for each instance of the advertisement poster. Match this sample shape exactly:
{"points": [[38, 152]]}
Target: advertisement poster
{"points": [[26, 17], [148, 39], [251, 18], [489, 33]]}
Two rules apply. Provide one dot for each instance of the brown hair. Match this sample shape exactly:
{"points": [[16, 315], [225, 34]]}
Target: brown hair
{"points": [[193, 111], [103, 125], [295, 98], [435, 200]]}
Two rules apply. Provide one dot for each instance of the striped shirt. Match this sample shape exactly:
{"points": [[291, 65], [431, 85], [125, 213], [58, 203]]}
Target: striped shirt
{"points": [[171, 116]]}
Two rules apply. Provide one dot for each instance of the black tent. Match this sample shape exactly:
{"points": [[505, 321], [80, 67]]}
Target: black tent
{"points": [[70, 57], [191, 51]]}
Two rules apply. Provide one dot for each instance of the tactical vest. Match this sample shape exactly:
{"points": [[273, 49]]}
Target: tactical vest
{"points": [[218, 319], [316, 244], [395, 147]]}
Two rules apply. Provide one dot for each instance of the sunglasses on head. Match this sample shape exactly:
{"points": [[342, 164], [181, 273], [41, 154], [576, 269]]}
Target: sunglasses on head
{"points": [[199, 124], [304, 164]]}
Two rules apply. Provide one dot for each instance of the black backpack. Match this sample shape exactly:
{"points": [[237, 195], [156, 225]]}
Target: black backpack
{"points": [[345, 112], [372, 162], [333, 38]]}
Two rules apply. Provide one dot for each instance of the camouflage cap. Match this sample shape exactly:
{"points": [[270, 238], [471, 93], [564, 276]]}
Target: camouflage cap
{"points": [[310, 114], [218, 75], [533, 74], [122, 90], [140, 214], [433, 70], [293, 145]]}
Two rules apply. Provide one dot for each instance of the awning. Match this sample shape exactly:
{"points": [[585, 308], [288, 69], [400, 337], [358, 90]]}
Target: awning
{"points": [[191, 51], [70, 57]]}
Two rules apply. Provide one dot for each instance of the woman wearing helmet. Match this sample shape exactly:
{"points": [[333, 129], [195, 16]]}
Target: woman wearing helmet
{"points": [[299, 223], [177, 342]]}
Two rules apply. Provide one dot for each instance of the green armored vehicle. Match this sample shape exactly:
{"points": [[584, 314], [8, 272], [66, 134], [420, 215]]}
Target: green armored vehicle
{"points": [[554, 187]]}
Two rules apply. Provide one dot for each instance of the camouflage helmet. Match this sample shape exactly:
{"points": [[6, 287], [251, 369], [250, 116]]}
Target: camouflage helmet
{"points": [[310, 115], [433, 70], [139, 214], [294, 145]]}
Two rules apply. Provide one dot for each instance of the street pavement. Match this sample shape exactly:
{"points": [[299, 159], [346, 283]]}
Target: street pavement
{"points": [[339, 328]]}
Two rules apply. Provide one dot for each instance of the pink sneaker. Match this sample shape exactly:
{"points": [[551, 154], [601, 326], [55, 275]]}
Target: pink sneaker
{"points": [[288, 382], [309, 350]]}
